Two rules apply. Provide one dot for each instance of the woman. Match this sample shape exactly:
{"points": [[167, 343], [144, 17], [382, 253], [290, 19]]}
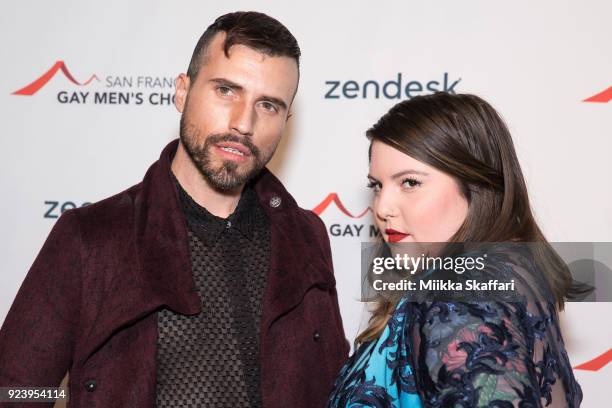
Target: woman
{"points": [[443, 169]]}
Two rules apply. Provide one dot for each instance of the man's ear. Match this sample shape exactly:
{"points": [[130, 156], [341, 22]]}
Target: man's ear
{"points": [[182, 89]]}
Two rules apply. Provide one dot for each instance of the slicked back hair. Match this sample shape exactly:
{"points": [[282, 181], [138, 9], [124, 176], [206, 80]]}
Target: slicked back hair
{"points": [[252, 29]]}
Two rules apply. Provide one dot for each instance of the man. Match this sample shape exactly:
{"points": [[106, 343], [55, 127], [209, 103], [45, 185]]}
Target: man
{"points": [[204, 285]]}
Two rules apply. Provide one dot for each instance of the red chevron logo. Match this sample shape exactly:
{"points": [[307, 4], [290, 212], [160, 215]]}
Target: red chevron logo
{"points": [[35, 85], [597, 363], [602, 97], [333, 198]]}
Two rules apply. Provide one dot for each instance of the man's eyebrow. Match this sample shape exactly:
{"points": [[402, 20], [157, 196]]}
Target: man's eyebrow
{"points": [[274, 100], [235, 86], [227, 82]]}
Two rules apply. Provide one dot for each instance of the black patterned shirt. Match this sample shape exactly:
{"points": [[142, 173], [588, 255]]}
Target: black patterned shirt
{"points": [[212, 359]]}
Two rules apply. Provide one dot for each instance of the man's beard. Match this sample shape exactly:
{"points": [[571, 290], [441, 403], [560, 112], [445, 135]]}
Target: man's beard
{"points": [[228, 176]]}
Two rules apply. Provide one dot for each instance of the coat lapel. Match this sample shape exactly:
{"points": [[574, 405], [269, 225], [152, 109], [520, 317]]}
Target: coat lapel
{"points": [[161, 274], [162, 241], [154, 267], [295, 265]]}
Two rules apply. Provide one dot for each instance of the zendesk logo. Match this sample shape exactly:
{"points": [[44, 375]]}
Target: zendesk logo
{"points": [[391, 89]]}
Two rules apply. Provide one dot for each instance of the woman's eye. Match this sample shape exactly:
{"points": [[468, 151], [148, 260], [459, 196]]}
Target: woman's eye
{"points": [[374, 186], [410, 183]]}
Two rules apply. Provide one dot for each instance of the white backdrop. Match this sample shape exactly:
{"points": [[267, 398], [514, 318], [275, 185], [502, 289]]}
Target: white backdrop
{"points": [[536, 62]]}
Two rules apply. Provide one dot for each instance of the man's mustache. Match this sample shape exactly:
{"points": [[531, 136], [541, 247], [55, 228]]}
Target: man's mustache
{"points": [[229, 137]]}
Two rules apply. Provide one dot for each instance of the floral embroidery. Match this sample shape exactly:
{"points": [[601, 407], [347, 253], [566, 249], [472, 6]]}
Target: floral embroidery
{"points": [[452, 354]]}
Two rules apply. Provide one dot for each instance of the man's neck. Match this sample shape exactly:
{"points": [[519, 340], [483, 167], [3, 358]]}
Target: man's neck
{"points": [[221, 204]]}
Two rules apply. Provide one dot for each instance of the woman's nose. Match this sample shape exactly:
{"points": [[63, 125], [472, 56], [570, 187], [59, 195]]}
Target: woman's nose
{"points": [[384, 206]]}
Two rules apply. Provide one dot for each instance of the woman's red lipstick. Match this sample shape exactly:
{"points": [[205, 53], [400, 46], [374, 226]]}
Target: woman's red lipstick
{"points": [[395, 236]]}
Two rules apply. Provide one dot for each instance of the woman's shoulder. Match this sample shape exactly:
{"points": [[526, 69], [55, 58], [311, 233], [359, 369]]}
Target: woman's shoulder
{"points": [[509, 272]]}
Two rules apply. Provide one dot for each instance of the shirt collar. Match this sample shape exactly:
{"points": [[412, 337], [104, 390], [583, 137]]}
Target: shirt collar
{"points": [[208, 226]]}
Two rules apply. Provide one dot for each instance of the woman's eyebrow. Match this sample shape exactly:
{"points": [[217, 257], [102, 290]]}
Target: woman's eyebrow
{"points": [[410, 171]]}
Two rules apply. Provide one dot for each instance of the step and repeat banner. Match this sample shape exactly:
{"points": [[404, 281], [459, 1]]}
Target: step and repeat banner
{"points": [[86, 96]]}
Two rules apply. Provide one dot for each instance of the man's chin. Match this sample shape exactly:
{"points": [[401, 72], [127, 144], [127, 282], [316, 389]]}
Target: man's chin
{"points": [[224, 179], [230, 168]]}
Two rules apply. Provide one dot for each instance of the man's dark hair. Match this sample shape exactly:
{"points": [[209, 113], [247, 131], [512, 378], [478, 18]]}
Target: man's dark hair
{"points": [[252, 29]]}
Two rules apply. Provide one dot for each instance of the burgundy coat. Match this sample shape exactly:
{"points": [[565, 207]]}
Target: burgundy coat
{"points": [[88, 304]]}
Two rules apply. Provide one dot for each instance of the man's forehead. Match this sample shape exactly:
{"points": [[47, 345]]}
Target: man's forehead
{"points": [[249, 68], [216, 44]]}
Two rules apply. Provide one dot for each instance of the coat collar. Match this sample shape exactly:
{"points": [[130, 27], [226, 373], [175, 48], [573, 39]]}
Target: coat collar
{"points": [[164, 248], [209, 227], [165, 278]]}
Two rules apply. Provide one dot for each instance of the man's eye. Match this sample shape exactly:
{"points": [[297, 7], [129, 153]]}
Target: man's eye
{"points": [[224, 90], [270, 107]]}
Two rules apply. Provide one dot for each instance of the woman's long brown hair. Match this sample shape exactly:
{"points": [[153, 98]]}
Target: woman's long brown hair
{"points": [[463, 136]]}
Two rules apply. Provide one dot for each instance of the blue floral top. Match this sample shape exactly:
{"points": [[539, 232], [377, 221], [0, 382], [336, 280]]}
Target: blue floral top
{"points": [[458, 354], [378, 374]]}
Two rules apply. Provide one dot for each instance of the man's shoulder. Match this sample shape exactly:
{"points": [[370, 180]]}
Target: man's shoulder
{"points": [[306, 219], [310, 218], [122, 201], [272, 192], [112, 212]]}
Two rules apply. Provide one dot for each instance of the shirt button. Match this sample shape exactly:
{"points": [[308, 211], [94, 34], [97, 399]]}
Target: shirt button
{"points": [[228, 225], [91, 385], [275, 202], [316, 336]]}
